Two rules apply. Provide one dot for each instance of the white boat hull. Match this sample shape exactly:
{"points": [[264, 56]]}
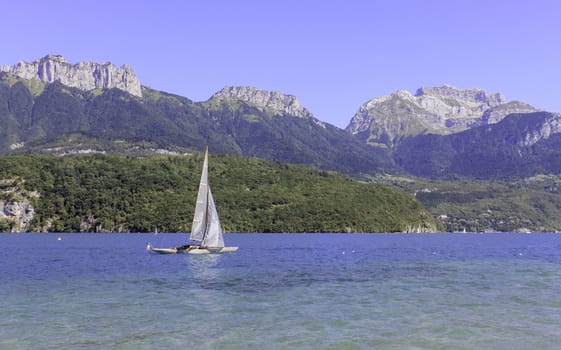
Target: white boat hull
{"points": [[163, 250], [192, 250], [212, 250]]}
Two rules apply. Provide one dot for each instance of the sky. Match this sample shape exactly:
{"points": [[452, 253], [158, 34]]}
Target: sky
{"points": [[333, 55]]}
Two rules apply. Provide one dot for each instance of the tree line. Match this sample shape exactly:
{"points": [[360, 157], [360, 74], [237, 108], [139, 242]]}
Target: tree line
{"points": [[111, 193]]}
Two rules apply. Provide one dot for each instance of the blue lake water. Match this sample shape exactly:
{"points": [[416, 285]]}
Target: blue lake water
{"points": [[282, 291]]}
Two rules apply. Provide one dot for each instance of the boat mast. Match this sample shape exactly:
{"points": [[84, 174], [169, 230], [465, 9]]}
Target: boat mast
{"points": [[206, 213], [207, 201]]}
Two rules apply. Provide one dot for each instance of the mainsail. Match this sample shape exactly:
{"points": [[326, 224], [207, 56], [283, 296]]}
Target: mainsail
{"points": [[213, 236], [206, 223]]}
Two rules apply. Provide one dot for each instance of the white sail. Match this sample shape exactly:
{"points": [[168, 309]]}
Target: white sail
{"points": [[200, 218], [213, 237], [206, 223]]}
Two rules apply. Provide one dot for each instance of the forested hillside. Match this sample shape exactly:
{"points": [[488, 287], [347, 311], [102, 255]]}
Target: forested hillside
{"points": [[113, 193], [530, 204]]}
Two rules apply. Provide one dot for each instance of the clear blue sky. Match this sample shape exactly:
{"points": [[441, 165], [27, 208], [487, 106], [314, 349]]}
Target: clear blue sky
{"points": [[333, 55]]}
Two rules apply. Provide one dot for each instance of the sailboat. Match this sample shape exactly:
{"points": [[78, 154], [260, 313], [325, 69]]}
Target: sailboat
{"points": [[206, 224]]}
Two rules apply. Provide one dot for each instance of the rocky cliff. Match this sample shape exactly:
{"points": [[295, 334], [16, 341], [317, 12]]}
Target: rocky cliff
{"points": [[550, 126], [83, 75], [271, 102], [16, 211], [440, 110]]}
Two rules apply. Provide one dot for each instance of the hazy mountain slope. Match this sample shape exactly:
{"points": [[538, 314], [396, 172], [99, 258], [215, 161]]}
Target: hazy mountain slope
{"points": [[520, 145]]}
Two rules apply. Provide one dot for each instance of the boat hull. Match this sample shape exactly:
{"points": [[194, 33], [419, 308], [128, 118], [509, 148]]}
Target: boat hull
{"points": [[212, 250], [192, 250], [163, 250]]}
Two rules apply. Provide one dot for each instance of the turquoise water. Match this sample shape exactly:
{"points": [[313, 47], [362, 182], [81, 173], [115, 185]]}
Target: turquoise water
{"points": [[291, 291]]}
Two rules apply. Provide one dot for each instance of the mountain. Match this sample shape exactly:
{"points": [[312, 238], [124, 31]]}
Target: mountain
{"points": [[53, 107], [84, 75], [521, 145], [45, 107], [385, 120], [272, 102], [273, 126]]}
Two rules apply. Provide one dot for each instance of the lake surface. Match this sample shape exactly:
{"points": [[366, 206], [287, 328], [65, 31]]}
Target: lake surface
{"points": [[282, 291]]}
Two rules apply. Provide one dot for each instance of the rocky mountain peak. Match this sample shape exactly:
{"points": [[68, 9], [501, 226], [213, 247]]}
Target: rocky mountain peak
{"points": [[273, 101], [477, 96], [83, 75], [442, 110]]}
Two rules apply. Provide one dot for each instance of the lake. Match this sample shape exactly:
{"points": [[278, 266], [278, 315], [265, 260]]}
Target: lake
{"points": [[282, 291]]}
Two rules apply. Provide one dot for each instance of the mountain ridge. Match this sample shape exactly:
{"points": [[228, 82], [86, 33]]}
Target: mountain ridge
{"points": [[66, 120], [269, 101], [55, 118], [85, 76], [382, 121]]}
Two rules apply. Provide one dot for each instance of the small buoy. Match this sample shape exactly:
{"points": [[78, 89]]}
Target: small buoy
{"points": [[59, 238]]}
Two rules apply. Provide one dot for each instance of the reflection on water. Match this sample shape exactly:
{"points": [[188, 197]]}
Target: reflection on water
{"points": [[204, 268]]}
